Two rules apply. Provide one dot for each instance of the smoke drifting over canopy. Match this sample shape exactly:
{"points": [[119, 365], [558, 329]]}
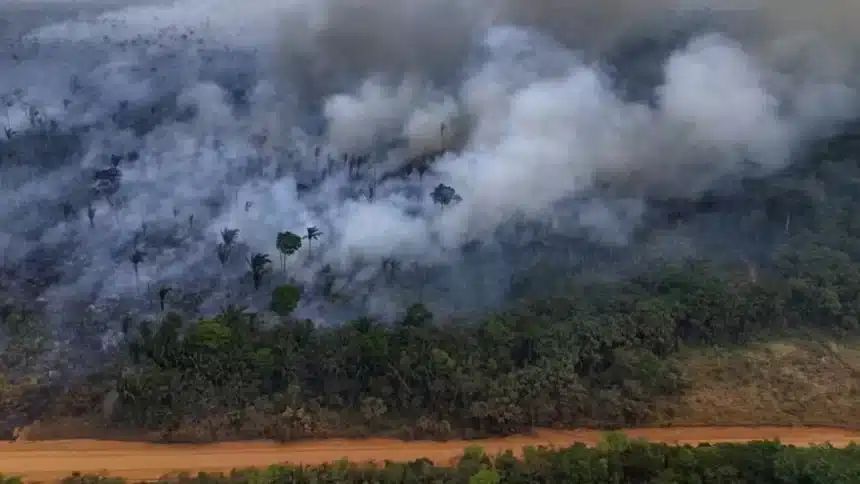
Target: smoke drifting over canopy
{"points": [[549, 118]]}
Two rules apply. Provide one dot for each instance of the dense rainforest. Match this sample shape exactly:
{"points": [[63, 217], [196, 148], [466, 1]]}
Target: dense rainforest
{"points": [[593, 352]]}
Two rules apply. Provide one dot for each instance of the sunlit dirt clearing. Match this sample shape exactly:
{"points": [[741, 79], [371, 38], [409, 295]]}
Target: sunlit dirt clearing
{"points": [[50, 460]]}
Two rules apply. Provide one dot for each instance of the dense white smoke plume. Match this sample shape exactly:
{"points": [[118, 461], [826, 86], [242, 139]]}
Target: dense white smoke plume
{"points": [[246, 115]]}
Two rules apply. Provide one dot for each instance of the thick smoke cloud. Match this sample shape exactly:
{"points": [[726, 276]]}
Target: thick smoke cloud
{"points": [[251, 116]]}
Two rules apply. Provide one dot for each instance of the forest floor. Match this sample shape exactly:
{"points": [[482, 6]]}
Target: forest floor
{"points": [[52, 460]]}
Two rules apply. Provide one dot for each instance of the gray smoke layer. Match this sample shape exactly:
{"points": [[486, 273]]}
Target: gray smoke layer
{"points": [[267, 116]]}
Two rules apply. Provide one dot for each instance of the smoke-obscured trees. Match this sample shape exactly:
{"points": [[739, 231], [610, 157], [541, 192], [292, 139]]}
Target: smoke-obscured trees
{"points": [[445, 195], [259, 265], [311, 234], [288, 244], [225, 247], [136, 259]]}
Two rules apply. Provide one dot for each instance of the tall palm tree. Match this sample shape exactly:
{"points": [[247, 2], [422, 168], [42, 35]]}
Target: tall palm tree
{"points": [[91, 214], [68, 211], [390, 266], [225, 247], [313, 233], [136, 258], [288, 244], [259, 265], [228, 236], [162, 296], [223, 253], [444, 195]]}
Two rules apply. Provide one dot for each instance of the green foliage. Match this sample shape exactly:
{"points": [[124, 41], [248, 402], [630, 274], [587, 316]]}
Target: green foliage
{"points": [[209, 334], [602, 357], [288, 243], [285, 299], [614, 442], [603, 353], [637, 462], [485, 476]]}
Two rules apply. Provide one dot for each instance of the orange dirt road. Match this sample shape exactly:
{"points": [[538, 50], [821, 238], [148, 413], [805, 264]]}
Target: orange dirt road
{"points": [[51, 460]]}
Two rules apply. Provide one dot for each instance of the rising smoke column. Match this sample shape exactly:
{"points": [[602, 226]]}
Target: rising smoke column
{"points": [[239, 118]]}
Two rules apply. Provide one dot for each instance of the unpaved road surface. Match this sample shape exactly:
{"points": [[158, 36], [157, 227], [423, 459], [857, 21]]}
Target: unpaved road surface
{"points": [[50, 460]]}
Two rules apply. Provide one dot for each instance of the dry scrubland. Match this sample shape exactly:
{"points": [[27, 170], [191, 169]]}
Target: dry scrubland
{"points": [[795, 382]]}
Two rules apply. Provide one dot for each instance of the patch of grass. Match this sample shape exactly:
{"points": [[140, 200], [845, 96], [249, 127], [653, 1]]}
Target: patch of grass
{"points": [[785, 382]]}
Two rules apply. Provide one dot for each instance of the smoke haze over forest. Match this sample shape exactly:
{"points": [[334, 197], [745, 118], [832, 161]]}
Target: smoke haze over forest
{"points": [[556, 122]]}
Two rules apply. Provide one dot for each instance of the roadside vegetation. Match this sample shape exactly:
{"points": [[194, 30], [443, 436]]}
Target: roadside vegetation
{"points": [[615, 460]]}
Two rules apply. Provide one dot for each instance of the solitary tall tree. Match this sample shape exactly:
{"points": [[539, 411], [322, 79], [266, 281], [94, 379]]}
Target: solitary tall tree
{"points": [[162, 296], [136, 258], [390, 266], [444, 195], [223, 253], [259, 265], [91, 214], [225, 247], [68, 211], [288, 244], [313, 233], [228, 236]]}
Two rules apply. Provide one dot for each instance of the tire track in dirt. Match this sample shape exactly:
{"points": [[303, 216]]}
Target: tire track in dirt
{"points": [[51, 460]]}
